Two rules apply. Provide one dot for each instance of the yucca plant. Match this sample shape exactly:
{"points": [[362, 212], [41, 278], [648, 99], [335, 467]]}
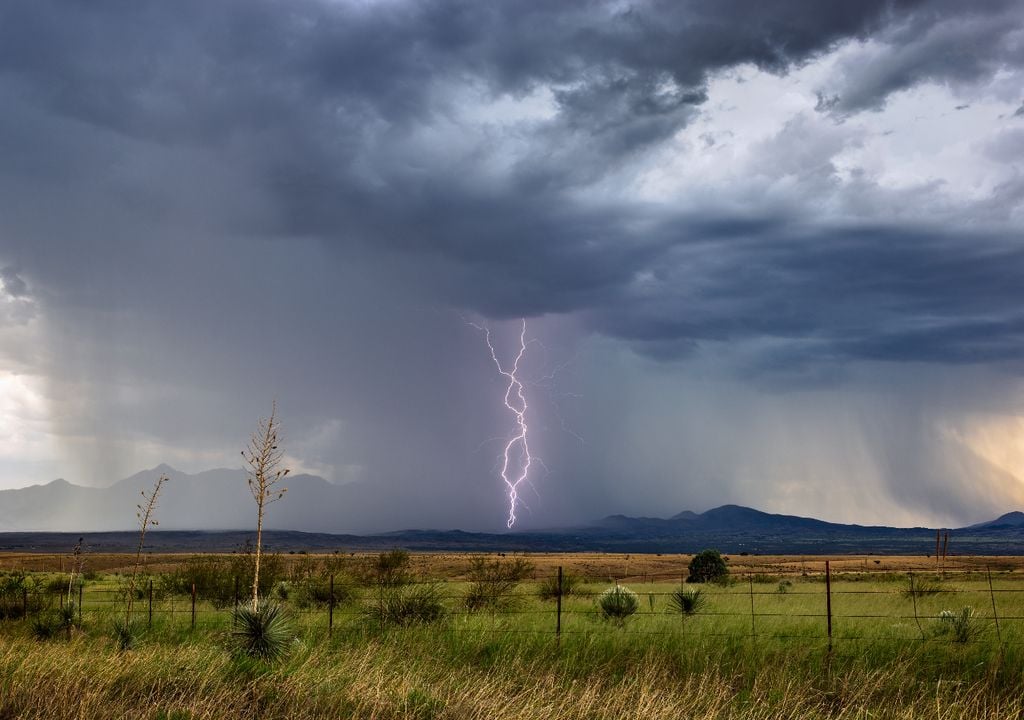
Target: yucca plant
{"points": [[618, 603], [960, 623], [687, 602], [126, 634], [262, 631]]}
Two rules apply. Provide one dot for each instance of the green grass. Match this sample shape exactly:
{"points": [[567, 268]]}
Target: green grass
{"points": [[717, 663]]}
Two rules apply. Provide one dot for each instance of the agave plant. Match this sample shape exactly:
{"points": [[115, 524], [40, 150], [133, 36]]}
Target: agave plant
{"points": [[262, 632]]}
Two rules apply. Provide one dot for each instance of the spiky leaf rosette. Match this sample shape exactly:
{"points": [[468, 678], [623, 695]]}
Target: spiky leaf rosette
{"points": [[263, 632]]}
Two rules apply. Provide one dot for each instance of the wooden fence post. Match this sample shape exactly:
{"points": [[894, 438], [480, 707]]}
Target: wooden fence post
{"points": [[236, 593], [558, 609], [193, 606], [828, 601], [24, 603], [81, 592], [151, 602]]}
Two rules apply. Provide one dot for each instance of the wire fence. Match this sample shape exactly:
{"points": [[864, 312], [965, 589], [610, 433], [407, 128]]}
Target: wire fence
{"points": [[966, 604]]}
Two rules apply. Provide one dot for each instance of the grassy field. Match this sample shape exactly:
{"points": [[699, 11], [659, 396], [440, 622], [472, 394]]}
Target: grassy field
{"points": [[759, 648]]}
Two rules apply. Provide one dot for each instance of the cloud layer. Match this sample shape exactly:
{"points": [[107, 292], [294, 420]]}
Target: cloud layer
{"points": [[207, 204]]}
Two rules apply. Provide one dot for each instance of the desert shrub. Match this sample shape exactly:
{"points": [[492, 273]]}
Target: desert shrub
{"points": [[708, 566], [216, 577], [21, 593], [687, 601], [45, 625], [407, 605], [960, 624], [493, 582], [263, 633], [618, 603], [783, 587], [548, 589], [126, 634], [387, 569]]}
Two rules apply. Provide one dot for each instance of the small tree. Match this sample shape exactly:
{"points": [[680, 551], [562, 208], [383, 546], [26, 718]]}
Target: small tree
{"points": [[263, 457], [708, 566]]}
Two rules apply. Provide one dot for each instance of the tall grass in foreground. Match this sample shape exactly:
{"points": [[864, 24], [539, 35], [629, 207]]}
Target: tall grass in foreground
{"points": [[430, 673]]}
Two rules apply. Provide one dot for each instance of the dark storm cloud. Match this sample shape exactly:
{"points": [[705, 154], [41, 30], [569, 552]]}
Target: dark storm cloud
{"points": [[946, 42], [319, 111]]}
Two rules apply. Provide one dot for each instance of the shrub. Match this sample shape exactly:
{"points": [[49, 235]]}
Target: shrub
{"points": [[548, 589], [960, 624], [126, 634], [687, 602], [388, 569], [216, 578], [263, 632], [708, 566], [494, 582], [45, 626], [618, 603], [407, 605], [784, 586]]}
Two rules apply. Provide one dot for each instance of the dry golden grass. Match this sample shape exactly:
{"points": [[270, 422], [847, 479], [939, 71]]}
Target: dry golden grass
{"points": [[398, 678]]}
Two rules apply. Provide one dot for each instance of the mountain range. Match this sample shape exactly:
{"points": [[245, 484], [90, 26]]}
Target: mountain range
{"points": [[203, 509]]}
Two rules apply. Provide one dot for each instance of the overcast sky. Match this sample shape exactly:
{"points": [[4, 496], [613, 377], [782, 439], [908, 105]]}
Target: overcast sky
{"points": [[772, 252]]}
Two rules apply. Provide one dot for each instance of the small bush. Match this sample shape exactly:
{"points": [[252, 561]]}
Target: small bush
{"points": [[687, 602], [45, 626], [783, 587], [618, 603], [126, 634], [407, 605], [548, 589], [262, 633], [494, 583], [708, 566]]}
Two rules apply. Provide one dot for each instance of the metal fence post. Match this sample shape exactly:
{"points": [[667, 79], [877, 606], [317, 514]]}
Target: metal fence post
{"points": [[193, 606], [24, 603], [558, 610], [995, 615], [753, 628], [828, 601], [151, 602], [330, 610], [236, 593], [81, 592]]}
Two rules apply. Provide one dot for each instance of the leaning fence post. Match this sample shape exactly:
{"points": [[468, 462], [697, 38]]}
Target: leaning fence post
{"points": [[828, 601], [913, 597], [995, 615], [151, 602], [558, 608], [330, 610], [193, 606]]}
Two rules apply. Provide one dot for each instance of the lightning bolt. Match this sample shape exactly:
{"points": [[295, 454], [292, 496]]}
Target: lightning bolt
{"points": [[515, 401]]}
